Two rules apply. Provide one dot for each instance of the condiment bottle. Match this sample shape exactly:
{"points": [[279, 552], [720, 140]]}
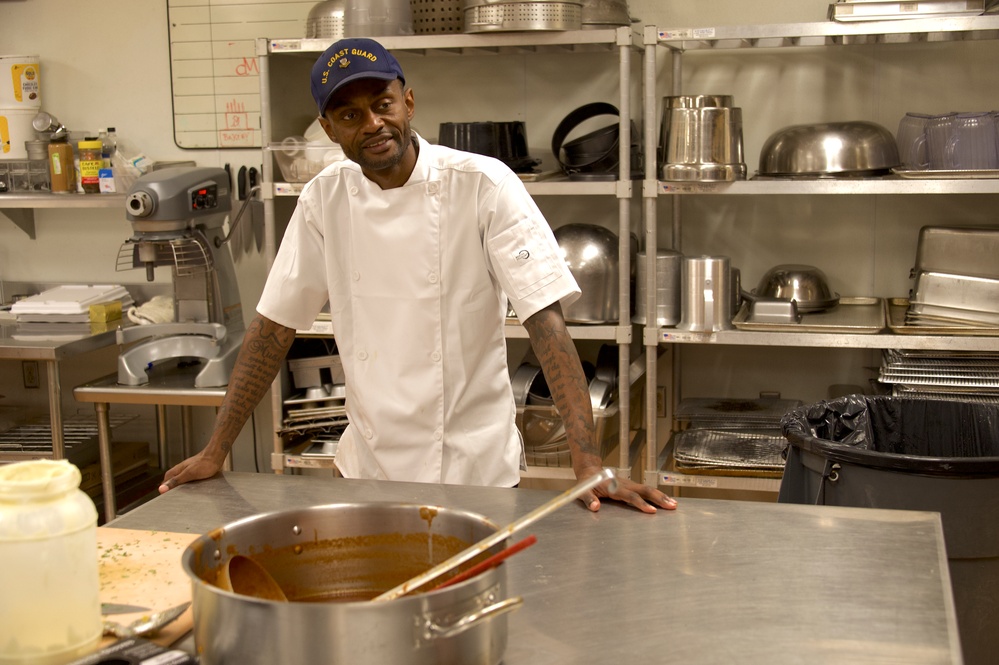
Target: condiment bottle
{"points": [[61, 170], [91, 163], [51, 610]]}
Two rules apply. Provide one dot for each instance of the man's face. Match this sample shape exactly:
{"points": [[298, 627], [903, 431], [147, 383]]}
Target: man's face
{"points": [[369, 119]]}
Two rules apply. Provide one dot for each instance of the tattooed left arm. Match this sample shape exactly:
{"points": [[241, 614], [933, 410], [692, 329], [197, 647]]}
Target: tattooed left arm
{"points": [[563, 370]]}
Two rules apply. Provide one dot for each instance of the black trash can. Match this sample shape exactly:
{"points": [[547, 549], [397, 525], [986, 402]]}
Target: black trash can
{"points": [[912, 454]]}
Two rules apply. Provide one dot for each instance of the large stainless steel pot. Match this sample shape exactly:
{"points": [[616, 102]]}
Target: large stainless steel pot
{"points": [[701, 143], [330, 560]]}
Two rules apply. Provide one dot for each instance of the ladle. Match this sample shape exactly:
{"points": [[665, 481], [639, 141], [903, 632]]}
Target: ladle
{"points": [[249, 578], [500, 535]]}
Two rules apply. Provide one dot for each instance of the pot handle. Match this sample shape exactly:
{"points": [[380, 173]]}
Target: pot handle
{"points": [[434, 631]]}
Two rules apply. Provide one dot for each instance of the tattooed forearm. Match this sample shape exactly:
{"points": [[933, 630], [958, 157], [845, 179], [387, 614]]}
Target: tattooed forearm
{"points": [[264, 348], [564, 373]]}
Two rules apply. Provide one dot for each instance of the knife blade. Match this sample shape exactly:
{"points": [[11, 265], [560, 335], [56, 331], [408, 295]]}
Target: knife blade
{"points": [[121, 608]]}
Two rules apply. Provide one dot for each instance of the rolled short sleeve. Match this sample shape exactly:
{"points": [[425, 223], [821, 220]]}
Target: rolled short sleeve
{"points": [[296, 286], [525, 255]]}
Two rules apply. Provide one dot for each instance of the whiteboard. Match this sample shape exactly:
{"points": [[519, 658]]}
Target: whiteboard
{"points": [[213, 66]]}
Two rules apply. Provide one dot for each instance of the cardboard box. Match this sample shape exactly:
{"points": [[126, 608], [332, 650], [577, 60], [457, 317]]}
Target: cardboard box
{"points": [[128, 460]]}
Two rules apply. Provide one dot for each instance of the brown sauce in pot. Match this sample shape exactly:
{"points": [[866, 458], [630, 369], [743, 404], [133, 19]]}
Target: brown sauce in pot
{"points": [[357, 568]]}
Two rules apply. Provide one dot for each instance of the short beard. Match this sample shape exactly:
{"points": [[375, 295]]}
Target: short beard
{"points": [[391, 161]]}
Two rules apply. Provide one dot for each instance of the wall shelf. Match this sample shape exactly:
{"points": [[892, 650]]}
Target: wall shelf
{"points": [[20, 208]]}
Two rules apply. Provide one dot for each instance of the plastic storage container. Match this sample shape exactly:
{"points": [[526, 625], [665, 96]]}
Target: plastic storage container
{"points": [[912, 454], [51, 611]]}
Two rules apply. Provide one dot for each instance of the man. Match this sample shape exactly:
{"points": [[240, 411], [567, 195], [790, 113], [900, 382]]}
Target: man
{"points": [[417, 248]]}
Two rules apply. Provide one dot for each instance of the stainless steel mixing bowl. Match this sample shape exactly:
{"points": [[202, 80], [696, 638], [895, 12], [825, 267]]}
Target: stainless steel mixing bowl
{"points": [[853, 148], [806, 285]]}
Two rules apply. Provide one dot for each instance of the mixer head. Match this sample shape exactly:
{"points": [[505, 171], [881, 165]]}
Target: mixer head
{"points": [[178, 198], [169, 209]]}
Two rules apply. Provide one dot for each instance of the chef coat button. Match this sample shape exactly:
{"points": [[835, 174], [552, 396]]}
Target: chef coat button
{"points": [[432, 278], [433, 187], [353, 191], [435, 356], [362, 355], [438, 434], [368, 434], [355, 276]]}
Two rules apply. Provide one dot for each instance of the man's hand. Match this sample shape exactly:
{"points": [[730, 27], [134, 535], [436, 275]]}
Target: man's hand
{"points": [[197, 467], [640, 496]]}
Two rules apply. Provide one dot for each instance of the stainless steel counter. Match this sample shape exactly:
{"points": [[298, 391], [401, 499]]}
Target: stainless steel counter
{"points": [[15, 345], [713, 582]]}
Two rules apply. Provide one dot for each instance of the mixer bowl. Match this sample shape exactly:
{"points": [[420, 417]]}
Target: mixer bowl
{"points": [[806, 285], [841, 149]]}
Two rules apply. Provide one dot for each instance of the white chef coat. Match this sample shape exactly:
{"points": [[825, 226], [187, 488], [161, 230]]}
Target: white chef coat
{"points": [[417, 278]]}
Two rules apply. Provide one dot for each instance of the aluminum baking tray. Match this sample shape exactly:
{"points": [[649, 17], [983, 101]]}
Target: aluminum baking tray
{"points": [[957, 292], [883, 10], [859, 314], [940, 353], [712, 448], [951, 379], [895, 314], [947, 174], [958, 250], [983, 396]]}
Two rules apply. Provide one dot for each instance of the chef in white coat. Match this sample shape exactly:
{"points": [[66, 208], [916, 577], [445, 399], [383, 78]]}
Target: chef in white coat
{"points": [[417, 248]]}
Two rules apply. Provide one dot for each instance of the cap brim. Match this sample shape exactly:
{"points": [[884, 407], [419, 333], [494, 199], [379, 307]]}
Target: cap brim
{"points": [[385, 76]]}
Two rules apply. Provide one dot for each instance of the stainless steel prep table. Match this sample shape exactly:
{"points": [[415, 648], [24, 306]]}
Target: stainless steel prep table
{"points": [[169, 385], [50, 351], [713, 582]]}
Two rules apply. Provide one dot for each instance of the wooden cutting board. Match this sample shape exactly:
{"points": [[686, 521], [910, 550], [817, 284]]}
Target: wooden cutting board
{"points": [[143, 568]]}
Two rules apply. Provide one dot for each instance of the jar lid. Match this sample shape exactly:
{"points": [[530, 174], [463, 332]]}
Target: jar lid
{"points": [[34, 478], [90, 145]]}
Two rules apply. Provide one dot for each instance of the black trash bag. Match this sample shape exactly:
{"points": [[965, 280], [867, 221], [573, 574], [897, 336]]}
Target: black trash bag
{"points": [[938, 437]]}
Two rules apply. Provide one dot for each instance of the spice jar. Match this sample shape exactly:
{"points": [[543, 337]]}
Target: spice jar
{"points": [[91, 162], [51, 610], [61, 172]]}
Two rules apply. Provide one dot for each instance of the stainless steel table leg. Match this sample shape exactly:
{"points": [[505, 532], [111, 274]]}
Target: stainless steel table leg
{"points": [[104, 446], [55, 409], [185, 424], [227, 464], [161, 436]]}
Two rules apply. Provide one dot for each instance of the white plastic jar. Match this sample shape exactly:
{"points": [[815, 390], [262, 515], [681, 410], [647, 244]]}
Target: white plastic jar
{"points": [[50, 612]]}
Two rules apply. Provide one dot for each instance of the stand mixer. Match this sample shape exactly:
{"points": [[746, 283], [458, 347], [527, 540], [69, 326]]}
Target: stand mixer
{"points": [[177, 216]]}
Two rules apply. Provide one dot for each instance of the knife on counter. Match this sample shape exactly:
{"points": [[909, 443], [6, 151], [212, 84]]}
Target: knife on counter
{"points": [[121, 608]]}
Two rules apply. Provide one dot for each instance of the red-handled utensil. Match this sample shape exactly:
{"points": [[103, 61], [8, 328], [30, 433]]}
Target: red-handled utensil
{"points": [[491, 562]]}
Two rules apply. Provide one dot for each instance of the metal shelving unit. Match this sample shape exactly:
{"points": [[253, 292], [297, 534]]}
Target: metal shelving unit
{"points": [[621, 42], [678, 41]]}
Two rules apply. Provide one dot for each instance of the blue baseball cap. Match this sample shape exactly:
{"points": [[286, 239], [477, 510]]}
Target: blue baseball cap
{"points": [[349, 60]]}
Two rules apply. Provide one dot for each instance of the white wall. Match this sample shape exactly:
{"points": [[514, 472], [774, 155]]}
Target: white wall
{"points": [[865, 244]]}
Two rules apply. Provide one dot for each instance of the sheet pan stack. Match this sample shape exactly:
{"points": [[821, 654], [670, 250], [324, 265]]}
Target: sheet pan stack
{"points": [[731, 436], [956, 278], [967, 376]]}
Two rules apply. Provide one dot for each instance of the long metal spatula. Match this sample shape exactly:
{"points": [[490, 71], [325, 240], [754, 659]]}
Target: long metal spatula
{"points": [[499, 536]]}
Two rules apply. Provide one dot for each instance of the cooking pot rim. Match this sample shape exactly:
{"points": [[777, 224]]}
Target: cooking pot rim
{"points": [[215, 540]]}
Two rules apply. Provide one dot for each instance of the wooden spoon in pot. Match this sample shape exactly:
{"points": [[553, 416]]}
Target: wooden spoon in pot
{"points": [[249, 578]]}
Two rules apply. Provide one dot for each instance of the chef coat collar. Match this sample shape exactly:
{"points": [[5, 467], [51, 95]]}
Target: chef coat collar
{"points": [[421, 170]]}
